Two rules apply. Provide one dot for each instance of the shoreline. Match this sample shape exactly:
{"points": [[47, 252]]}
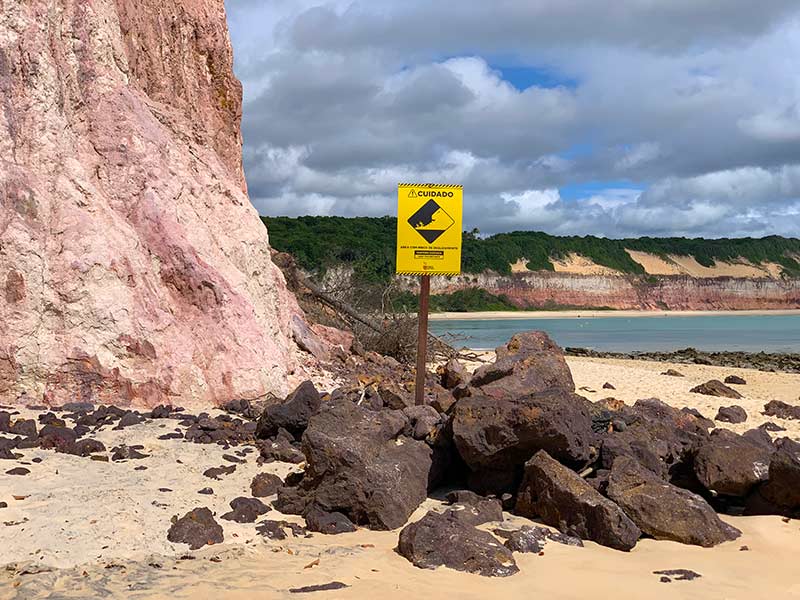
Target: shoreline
{"points": [[598, 314]]}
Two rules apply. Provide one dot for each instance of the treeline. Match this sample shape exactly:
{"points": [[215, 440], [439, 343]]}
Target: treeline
{"points": [[368, 246]]}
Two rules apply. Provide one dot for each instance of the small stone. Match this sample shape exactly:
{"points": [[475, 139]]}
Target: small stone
{"points": [[673, 373], [608, 386], [330, 523], [333, 585], [735, 380], [245, 510], [679, 574], [265, 484], [273, 530], [716, 388], [216, 472], [731, 414], [206, 491], [196, 528], [18, 471]]}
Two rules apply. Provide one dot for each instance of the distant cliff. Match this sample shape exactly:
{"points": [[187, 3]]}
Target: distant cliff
{"points": [[533, 270], [631, 292]]}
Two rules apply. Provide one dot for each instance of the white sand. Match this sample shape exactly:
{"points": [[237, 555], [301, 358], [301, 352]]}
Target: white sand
{"points": [[108, 519]]}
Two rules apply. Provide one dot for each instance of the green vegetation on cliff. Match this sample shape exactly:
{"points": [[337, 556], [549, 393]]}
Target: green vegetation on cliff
{"points": [[368, 245]]}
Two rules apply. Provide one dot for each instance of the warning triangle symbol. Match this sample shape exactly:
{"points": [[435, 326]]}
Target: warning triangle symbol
{"points": [[412, 194]]}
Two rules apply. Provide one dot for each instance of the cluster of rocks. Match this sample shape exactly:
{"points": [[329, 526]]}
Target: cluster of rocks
{"points": [[66, 429], [514, 435], [763, 361]]}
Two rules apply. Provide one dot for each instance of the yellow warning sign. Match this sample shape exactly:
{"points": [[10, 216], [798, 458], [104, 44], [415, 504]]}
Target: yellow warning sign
{"points": [[429, 229]]}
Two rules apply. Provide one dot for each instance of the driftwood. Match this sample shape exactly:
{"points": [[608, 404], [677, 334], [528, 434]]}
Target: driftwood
{"points": [[396, 333]]}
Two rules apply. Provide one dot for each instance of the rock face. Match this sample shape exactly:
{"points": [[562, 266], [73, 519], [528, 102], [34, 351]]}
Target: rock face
{"points": [[503, 434], [565, 501], [631, 292], [530, 362], [360, 464], [664, 511], [731, 464], [133, 269]]}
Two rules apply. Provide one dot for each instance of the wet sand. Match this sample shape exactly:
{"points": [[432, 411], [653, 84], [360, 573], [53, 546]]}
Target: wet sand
{"points": [[105, 526]]}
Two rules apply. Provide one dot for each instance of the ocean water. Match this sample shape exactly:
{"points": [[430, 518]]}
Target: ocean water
{"points": [[749, 333]]}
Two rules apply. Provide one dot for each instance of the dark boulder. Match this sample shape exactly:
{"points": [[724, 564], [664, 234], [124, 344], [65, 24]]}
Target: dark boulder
{"points": [[530, 362], [781, 410], [658, 436], [87, 447], [292, 414], [129, 419], [440, 540], [217, 472], [453, 374], [360, 464], [664, 511], [394, 396], [500, 435], [761, 438], [783, 485], [562, 499], [472, 509], [60, 439], [533, 539], [731, 464], [5, 421], [731, 414], [735, 380], [196, 528], [265, 484], [23, 427], [272, 530], [673, 373], [423, 421], [123, 452], [322, 587], [330, 523], [716, 388], [770, 426], [245, 510], [280, 450]]}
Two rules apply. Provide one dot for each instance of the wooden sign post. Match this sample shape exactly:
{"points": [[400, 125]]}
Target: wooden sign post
{"points": [[428, 243]]}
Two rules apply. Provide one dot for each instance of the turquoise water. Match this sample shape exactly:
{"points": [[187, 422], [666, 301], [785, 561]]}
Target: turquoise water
{"points": [[748, 333]]}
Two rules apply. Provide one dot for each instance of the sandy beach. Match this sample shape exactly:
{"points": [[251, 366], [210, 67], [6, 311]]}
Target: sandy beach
{"points": [[594, 314], [81, 528]]}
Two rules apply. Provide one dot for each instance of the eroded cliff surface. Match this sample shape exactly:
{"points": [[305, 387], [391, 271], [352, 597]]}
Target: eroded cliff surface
{"points": [[133, 268], [632, 292]]}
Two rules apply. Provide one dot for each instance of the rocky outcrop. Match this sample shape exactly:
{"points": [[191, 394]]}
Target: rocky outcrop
{"points": [[133, 269]]}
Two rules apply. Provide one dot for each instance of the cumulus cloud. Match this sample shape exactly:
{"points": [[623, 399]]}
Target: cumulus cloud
{"points": [[693, 104]]}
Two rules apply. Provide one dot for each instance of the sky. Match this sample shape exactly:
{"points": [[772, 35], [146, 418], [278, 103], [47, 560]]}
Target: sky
{"points": [[621, 118]]}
